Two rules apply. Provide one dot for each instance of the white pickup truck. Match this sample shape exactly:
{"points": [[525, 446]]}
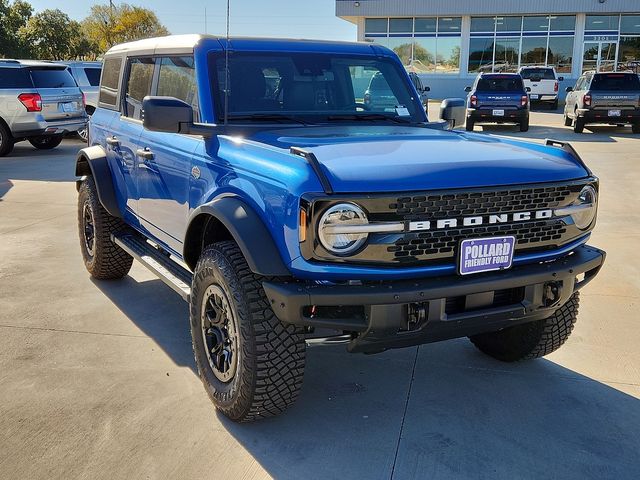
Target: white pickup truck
{"points": [[543, 83]]}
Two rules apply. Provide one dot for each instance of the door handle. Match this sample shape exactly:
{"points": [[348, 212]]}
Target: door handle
{"points": [[113, 141], [145, 153]]}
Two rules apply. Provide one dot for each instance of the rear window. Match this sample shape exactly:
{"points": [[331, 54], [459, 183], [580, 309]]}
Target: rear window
{"points": [[500, 83], [378, 82], [93, 75], [52, 78], [14, 78], [615, 81], [538, 73]]}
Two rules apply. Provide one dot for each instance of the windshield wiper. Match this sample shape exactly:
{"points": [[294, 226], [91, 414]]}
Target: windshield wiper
{"points": [[368, 117], [267, 117]]}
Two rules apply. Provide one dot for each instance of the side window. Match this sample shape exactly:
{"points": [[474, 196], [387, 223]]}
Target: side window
{"points": [[109, 82], [579, 84], [177, 79], [138, 85]]}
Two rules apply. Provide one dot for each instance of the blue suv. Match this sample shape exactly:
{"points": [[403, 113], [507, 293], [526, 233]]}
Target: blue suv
{"points": [[252, 177], [498, 98]]}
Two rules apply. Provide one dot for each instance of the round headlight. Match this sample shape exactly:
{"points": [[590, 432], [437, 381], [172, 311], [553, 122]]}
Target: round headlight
{"points": [[588, 199], [337, 240]]}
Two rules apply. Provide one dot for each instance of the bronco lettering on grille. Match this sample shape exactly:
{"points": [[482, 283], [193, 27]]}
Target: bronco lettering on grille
{"points": [[492, 219]]}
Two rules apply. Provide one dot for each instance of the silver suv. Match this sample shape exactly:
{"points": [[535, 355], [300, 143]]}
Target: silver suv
{"points": [[87, 76], [39, 102]]}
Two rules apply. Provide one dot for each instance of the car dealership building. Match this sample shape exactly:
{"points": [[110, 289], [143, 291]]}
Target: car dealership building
{"points": [[448, 42]]}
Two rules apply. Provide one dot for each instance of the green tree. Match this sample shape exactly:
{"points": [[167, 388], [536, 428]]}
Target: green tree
{"points": [[13, 16], [52, 35], [106, 25]]}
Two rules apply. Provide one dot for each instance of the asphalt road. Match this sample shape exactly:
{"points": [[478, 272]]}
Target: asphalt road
{"points": [[97, 378]]}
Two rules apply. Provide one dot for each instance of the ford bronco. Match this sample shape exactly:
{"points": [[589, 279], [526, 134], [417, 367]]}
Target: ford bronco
{"points": [[251, 176]]}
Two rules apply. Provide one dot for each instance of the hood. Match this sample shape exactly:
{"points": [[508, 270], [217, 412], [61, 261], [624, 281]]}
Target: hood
{"points": [[362, 159]]}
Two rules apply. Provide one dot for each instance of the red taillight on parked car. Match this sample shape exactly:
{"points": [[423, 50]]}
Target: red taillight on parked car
{"points": [[32, 101], [473, 101], [555, 87], [586, 99], [523, 100]]}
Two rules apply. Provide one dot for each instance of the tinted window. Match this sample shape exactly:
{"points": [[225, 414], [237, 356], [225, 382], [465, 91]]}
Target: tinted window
{"points": [[109, 81], [177, 79], [615, 81], [52, 78], [375, 25], [138, 85], [14, 78], [538, 73], [93, 75], [500, 83]]}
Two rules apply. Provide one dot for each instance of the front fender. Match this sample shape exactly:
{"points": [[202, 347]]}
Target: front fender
{"points": [[246, 228], [93, 161]]}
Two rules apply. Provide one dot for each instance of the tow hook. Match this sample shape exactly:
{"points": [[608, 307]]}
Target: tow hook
{"points": [[551, 293], [416, 315]]}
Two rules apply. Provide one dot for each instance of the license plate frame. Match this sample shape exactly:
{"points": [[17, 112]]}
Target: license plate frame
{"points": [[497, 113], [483, 258], [533, 96], [615, 113]]}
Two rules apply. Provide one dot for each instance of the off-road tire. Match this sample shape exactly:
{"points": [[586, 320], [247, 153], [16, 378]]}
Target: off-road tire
{"points": [[271, 355], [107, 261], [46, 142], [6, 140], [635, 127], [533, 339], [578, 125], [469, 125], [524, 125], [567, 120]]}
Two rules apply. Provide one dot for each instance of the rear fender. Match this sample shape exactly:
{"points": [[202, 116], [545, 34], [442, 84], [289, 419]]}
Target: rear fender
{"points": [[93, 161]]}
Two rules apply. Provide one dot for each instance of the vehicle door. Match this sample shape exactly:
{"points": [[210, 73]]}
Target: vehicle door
{"points": [[127, 129], [165, 159], [570, 100]]}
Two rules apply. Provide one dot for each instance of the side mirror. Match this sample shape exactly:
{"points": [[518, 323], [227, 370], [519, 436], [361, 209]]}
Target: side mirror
{"points": [[453, 111], [528, 89], [170, 115], [568, 89], [467, 89], [560, 79]]}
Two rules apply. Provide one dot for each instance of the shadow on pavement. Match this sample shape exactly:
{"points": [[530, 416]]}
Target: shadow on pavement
{"points": [[441, 411]]}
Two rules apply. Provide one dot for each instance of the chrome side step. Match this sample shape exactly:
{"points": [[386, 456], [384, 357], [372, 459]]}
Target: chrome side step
{"points": [[174, 275]]}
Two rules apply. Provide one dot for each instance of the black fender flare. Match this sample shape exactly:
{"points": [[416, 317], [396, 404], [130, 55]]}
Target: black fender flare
{"points": [[247, 229], [93, 161]]}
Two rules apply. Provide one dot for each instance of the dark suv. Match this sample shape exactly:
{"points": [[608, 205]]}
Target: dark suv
{"points": [[39, 102], [611, 97], [498, 98]]}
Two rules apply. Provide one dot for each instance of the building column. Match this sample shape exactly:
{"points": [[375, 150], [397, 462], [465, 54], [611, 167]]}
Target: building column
{"points": [[465, 36], [360, 25], [578, 45]]}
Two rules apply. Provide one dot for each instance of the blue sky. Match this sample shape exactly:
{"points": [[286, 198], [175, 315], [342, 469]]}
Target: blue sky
{"points": [[274, 18]]}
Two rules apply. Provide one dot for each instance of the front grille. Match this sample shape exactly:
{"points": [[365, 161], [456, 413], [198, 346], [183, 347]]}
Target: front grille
{"points": [[441, 244]]}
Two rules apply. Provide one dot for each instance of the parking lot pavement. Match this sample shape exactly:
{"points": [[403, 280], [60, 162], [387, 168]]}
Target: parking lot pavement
{"points": [[97, 378]]}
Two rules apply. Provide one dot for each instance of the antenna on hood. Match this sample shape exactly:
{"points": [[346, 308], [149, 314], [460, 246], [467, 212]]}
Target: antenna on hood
{"points": [[226, 68]]}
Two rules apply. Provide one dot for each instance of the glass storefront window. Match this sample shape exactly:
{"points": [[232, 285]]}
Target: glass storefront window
{"points": [[630, 24], [562, 23], [506, 57], [483, 24], [449, 24], [508, 24], [480, 55], [535, 24], [425, 25], [375, 25], [424, 54], [629, 54], [602, 22], [534, 51], [400, 25], [448, 55], [560, 53], [403, 48]]}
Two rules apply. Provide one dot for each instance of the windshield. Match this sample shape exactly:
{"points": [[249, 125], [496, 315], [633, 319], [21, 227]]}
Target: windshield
{"points": [[500, 83], [314, 88], [52, 78], [538, 73], [616, 81]]}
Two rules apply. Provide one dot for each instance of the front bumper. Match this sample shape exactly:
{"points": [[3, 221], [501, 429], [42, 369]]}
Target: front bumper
{"points": [[601, 115], [397, 314], [486, 115]]}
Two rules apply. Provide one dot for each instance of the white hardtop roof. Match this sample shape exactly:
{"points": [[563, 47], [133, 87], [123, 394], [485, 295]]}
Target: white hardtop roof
{"points": [[168, 44]]}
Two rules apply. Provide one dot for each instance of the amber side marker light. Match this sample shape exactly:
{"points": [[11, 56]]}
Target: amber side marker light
{"points": [[302, 226]]}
